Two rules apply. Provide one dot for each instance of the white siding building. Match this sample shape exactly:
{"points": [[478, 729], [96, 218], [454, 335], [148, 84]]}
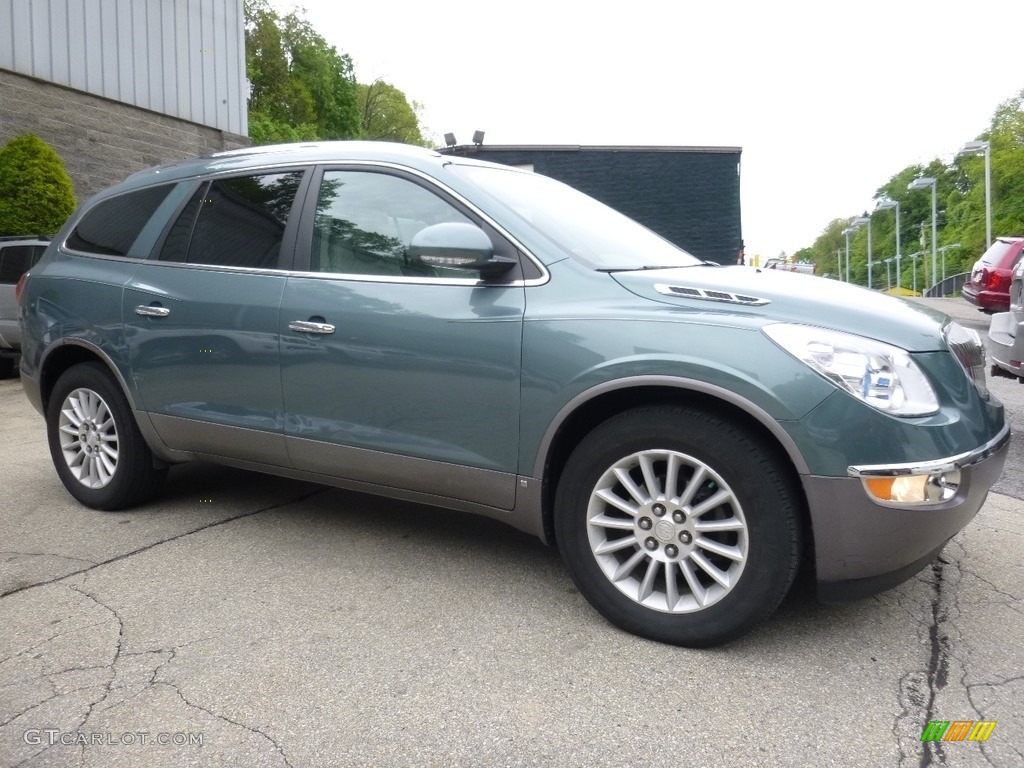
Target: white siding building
{"points": [[153, 80]]}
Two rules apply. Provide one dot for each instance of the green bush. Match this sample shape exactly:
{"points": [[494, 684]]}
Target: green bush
{"points": [[36, 194]]}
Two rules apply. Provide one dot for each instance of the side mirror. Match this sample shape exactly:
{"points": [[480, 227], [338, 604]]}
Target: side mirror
{"points": [[457, 245]]}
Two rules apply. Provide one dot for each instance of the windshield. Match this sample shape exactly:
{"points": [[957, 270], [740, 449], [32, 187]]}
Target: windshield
{"points": [[600, 236]]}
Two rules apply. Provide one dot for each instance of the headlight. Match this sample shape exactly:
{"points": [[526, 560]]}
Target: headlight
{"points": [[883, 376]]}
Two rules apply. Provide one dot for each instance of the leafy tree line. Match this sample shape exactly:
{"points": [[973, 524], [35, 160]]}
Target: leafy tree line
{"points": [[303, 89], [960, 211]]}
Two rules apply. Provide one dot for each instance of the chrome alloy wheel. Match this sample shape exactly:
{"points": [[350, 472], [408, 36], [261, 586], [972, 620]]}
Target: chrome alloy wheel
{"points": [[88, 438], [667, 531]]}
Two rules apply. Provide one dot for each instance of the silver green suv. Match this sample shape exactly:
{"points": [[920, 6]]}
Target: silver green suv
{"points": [[473, 336]]}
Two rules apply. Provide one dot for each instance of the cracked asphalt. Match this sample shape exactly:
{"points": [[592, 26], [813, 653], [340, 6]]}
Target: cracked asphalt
{"points": [[252, 621]]}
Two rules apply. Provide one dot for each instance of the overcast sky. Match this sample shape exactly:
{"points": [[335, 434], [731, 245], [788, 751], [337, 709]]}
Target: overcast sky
{"points": [[828, 99]]}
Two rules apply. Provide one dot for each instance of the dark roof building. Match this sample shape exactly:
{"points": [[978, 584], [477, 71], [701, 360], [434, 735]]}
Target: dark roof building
{"points": [[689, 195]]}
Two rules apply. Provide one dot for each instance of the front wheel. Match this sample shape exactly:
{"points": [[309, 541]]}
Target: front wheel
{"points": [[96, 447], [678, 525]]}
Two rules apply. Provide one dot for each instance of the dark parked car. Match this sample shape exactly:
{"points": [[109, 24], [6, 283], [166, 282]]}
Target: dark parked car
{"points": [[479, 337], [989, 285], [17, 256]]}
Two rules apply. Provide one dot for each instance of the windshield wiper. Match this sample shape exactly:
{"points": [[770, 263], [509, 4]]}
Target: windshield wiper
{"points": [[646, 267]]}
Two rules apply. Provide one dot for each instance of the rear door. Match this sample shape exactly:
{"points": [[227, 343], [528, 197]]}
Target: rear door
{"points": [[201, 318]]}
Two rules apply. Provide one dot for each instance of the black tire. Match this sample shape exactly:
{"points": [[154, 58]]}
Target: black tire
{"points": [[127, 478], [7, 368], [758, 519]]}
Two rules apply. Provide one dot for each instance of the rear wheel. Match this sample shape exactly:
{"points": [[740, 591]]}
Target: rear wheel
{"points": [[95, 444], [678, 525]]}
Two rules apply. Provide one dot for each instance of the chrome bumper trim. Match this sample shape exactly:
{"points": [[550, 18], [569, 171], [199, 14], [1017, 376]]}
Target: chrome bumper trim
{"points": [[937, 465]]}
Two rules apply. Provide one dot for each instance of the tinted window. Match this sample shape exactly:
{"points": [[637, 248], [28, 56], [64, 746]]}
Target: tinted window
{"points": [[365, 221], [16, 260], [175, 247], [111, 227], [236, 222]]}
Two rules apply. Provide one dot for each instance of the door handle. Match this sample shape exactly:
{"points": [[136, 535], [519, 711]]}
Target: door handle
{"points": [[145, 311], [308, 326]]}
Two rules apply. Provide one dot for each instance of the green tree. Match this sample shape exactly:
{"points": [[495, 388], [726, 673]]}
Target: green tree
{"points": [[323, 81], [36, 193], [960, 214], [967, 216], [302, 88], [823, 252], [387, 115]]}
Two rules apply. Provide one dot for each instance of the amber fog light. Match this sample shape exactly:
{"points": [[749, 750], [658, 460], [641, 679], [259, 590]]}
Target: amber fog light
{"points": [[933, 488]]}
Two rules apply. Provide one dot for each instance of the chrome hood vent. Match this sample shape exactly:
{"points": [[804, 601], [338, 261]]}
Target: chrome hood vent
{"points": [[710, 295]]}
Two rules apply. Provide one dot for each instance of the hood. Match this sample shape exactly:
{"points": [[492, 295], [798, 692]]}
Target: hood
{"points": [[793, 298]]}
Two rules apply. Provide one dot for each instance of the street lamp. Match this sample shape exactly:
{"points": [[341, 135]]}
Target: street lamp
{"points": [[884, 205], [848, 231], [922, 183], [856, 223], [913, 260], [973, 148], [944, 249]]}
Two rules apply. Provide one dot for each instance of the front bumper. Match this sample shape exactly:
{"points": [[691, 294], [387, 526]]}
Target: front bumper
{"points": [[1005, 343], [863, 547]]}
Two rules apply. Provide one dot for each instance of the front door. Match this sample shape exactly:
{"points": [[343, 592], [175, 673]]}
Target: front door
{"points": [[395, 373]]}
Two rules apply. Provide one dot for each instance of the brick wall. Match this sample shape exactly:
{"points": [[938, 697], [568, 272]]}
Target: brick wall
{"points": [[100, 141]]}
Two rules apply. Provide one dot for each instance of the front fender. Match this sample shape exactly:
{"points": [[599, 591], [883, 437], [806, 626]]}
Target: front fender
{"points": [[738, 365]]}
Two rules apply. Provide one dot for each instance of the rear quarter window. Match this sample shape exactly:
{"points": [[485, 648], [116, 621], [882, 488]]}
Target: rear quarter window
{"points": [[111, 226]]}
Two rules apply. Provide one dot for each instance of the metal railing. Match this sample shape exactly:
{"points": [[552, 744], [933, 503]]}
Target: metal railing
{"points": [[950, 285]]}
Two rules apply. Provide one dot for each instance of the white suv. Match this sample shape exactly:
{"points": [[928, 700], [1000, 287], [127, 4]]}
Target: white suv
{"points": [[17, 256], [1006, 333]]}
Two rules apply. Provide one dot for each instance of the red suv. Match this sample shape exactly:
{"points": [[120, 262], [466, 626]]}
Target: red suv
{"points": [[989, 285]]}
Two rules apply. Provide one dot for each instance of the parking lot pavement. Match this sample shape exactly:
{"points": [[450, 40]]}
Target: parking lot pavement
{"points": [[247, 620]]}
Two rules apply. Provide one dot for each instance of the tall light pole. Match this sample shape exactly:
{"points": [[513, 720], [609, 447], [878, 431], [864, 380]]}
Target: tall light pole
{"points": [[944, 249], [922, 183], [973, 148], [848, 231], [913, 260], [856, 223], [839, 262], [884, 205]]}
